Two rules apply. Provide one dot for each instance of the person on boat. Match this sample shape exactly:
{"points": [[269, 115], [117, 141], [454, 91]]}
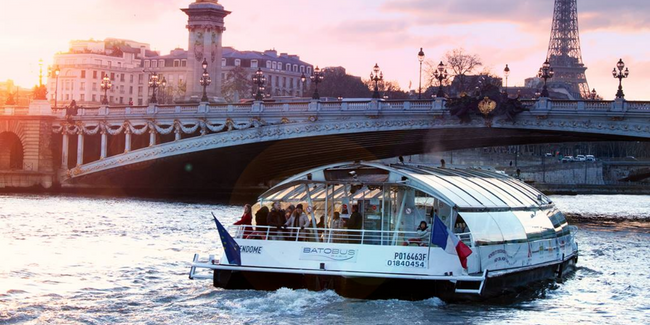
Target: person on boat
{"points": [[260, 218], [355, 224], [298, 220], [421, 235], [275, 218], [246, 220], [321, 225], [337, 223], [289, 212]]}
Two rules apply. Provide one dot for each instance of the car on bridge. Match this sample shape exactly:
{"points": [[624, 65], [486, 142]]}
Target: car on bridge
{"points": [[590, 158], [566, 159], [580, 158]]}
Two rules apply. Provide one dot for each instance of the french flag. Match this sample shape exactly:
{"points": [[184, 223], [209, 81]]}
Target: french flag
{"points": [[449, 242]]}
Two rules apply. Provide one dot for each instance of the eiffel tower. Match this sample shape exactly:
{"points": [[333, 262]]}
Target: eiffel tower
{"points": [[564, 52]]}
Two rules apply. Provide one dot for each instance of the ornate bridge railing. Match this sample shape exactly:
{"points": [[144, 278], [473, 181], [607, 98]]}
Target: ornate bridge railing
{"points": [[186, 121]]}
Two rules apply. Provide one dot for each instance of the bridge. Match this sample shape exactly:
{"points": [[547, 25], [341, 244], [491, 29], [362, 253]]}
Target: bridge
{"points": [[229, 145]]}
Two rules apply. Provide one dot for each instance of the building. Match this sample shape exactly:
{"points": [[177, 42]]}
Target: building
{"points": [[83, 67], [130, 64], [283, 71]]}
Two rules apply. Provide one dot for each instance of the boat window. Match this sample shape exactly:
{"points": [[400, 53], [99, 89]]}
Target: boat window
{"points": [[484, 228], [511, 228], [537, 224]]}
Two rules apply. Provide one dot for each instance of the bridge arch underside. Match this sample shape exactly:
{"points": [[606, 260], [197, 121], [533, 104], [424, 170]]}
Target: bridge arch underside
{"points": [[250, 167], [11, 152]]}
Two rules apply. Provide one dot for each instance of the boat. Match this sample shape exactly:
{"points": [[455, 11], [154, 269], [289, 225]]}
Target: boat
{"points": [[506, 235]]}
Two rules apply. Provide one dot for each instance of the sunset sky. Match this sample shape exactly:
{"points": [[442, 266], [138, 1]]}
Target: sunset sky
{"points": [[355, 34]]}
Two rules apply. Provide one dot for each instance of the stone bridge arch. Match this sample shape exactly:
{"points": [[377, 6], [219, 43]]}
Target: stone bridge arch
{"points": [[12, 145]]}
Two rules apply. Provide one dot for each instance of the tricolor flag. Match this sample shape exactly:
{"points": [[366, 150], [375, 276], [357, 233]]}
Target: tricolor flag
{"points": [[449, 242], [229, 244]]}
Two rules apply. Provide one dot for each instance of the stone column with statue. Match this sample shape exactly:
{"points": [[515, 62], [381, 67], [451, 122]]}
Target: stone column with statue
{"points": [[206, 27]]}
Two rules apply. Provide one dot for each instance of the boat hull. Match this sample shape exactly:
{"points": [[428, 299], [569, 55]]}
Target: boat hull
{"points": [[391, 288]]}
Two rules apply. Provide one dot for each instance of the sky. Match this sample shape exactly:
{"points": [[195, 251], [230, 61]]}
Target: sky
{"points": [[354, 34]]}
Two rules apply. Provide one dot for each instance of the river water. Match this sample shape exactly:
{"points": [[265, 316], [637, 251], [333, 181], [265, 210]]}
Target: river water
{"points": [[69, 260]]}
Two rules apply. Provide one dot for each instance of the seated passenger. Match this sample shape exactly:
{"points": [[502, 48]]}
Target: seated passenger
{"points": [[421, 235]]}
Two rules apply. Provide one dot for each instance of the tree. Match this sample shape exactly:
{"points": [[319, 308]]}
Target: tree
{"points": [[237, 85], [390, 89], [459, 65], [337, 83]]}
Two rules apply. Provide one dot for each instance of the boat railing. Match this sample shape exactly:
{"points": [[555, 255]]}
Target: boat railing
{"points": [[344, 236]]}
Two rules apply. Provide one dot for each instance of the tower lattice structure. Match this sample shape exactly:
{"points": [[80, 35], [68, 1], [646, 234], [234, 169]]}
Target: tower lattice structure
{"points": [[564, 52]]}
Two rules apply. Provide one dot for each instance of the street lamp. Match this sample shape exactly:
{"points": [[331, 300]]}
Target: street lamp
{"points": [[163, 85], [421, 59], [154, 83], [258, 81], [545, 72], [316, 78], [303, 80], [506, 73], [376, 75], [205, 80], [106, 85], [57, 71], [620, 74], [440, 74]]}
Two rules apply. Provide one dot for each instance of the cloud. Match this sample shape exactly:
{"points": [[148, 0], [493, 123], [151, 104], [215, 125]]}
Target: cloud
{"points": [[594, 14]]}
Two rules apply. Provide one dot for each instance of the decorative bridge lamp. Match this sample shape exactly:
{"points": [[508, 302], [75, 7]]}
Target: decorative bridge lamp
{"points": [[620, 75], [421, 59], [506, 73], [376, 75], [303, 79], [106, 85], [154, 83], [57, 71], [316, 78], [545, 72], [258, 81], [205, 81], [440, 74]]}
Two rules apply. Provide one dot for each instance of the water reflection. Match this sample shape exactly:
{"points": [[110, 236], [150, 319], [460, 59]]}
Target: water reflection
{"points": [[100, 260]]}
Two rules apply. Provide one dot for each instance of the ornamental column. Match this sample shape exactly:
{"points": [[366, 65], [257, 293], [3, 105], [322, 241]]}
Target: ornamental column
{"points": [[80, 146], [65, 149], [127, 139], [206, 26], [104, 144], [152, 137]]}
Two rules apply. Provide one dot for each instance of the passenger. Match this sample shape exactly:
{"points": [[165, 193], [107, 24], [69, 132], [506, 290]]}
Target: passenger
{"points": [[275, 219], [246, 220], [421, 235], [260, 219], [298, 220], [355, 224], [288, 212], [337, 223], [321, 225]]}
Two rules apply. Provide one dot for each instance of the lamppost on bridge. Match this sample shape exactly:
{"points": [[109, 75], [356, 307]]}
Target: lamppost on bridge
{"points": [[154, 83], [57, 71], [506, 73], [440, 74], [316, 78], [303, 80], [163, 86], [620, 75], [376, 75], [421, 59], [258, 81], [205, 80], [545, 72], [106, 85]]}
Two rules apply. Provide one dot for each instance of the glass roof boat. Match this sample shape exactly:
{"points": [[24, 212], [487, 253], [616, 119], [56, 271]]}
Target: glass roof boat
{"points": [[371, 230]]}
